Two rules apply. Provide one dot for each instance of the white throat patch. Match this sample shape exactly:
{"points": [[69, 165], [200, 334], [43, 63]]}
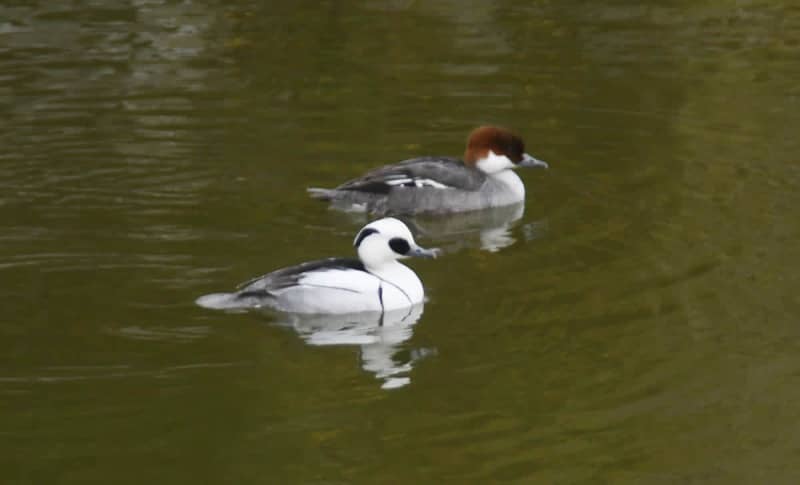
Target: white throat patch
{"points": [[494, 163]]}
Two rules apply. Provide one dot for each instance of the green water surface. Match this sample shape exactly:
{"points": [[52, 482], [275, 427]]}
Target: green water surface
{"points": [[637, 323]]}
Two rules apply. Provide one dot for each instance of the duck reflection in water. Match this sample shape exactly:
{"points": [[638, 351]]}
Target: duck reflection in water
{"points": [[487, 229], [490, 229], [380, 337]]}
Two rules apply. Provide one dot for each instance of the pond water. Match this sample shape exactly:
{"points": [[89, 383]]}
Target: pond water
{"points": [[635, 322]]}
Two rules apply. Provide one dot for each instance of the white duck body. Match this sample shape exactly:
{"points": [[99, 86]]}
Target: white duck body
{"points": [[374, 282], [348, 290]]}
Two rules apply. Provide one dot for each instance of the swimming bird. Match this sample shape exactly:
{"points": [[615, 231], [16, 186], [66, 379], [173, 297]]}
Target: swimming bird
{"points": [[376, 281], [483, 179]]}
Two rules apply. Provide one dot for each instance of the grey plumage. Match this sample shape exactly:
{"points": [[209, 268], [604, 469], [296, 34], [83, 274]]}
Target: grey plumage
{"points": [[447, 171], [416, 185]]}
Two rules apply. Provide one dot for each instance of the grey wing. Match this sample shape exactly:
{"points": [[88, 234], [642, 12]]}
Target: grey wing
{"points": [[435, 172], [287, 277]]}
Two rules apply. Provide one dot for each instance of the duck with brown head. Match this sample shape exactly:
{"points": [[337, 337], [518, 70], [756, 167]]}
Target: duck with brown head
{"points": [[483, 179]]}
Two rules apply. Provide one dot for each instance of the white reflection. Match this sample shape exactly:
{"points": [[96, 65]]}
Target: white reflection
{"points": [[379, 335]]}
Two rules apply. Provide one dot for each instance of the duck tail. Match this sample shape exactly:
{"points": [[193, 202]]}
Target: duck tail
{"points": [[240, 300], [345, 200], [321, 194], [218, 301]]}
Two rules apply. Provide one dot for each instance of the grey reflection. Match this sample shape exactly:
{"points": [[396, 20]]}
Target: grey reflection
{"points": [[379, 335], [489, 229]]}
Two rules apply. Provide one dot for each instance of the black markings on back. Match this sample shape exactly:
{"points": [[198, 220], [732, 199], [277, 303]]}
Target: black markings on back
{"points": [[363, 234], [399, 245], [288, 277], [253, 294]]}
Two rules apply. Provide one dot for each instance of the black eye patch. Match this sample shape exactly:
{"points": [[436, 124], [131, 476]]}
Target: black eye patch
{"points": [[363, 234], [399, 245]]}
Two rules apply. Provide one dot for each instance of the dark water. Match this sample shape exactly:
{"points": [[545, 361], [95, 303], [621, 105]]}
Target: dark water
{"points": [[637, 324]]}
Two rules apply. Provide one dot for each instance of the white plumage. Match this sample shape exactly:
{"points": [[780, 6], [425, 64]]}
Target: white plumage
{"points": [[377, 281]]}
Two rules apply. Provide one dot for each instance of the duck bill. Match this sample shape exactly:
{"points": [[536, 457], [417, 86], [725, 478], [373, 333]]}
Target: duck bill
{"points": [[529, 161], [419, 252]]}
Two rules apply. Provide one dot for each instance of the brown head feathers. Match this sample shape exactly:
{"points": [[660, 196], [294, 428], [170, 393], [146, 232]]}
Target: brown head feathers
{"points": [[499, 140]]}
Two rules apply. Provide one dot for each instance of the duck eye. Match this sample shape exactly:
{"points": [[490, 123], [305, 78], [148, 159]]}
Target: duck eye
{"points": [[399, 245]]}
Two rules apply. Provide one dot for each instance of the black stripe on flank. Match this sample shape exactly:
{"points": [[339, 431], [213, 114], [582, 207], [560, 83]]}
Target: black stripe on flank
{"points": [[380, 299], [396, 286]]}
